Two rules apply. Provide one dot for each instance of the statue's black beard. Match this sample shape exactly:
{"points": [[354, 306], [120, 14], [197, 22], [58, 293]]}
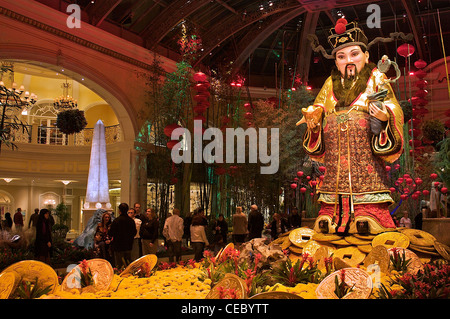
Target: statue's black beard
{"points": [[349, 78], [348, 91]]}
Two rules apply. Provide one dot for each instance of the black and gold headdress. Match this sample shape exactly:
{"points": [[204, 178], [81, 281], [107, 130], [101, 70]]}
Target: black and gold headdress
{"points": [[346, 34]]}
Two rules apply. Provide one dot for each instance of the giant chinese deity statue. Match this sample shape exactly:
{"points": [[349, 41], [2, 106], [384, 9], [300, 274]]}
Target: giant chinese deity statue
{"points": [[354, 127]]}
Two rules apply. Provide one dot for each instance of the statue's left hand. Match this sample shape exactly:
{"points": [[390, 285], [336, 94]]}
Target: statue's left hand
{"points": [[380, 114]]}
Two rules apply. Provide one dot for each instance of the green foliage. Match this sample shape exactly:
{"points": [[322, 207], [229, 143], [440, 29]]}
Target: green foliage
{"points": [[442, 163], [31, 290], [433, 130], [71, 121], [303, 271]]}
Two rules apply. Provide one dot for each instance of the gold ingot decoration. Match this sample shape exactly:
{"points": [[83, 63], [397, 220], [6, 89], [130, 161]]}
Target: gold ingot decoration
{"points": [[150, 259], [29, 270], [351, 255], [418, 237], [7, 284], [357, 278], [311, 114], [415, 264], [102, 272], [229, 281], [300, 236], [379, 255], [391, 239]]}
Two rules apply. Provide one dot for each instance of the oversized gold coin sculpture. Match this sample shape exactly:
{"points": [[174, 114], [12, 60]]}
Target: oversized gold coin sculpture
{"points": [[379, 255], [229, 283], [351, 255], [312, 246], [325, 237], [300, 236], [357, 278], [102, 272], [418, 237], [150, 260], [7, 284], [227, 247], [357, 241], [414, 264], [391, 239], [29, 270], [442, 249]]}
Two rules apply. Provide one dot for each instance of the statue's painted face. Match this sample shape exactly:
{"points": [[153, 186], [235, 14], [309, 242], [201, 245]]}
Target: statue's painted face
{"points": [[351, 60]]}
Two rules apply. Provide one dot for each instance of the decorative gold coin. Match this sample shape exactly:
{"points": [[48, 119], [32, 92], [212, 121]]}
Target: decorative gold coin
{"points": [[296, 250], [286, 243], [424, 251], [300, 236], [357, 278], [275, 295], [219, 254], [415, 264], [423, 248], [102, 272], [7, 284], [357, 241], [340, 264], [229, 281], [325, 237], [340, 242], [278, 241], [365, 248], [418, 237], [150, 260], [320, 255], [365, 237], [312, 246], [391, 239], [29, 270], [379, 255], [442, 249], [351, 255]]}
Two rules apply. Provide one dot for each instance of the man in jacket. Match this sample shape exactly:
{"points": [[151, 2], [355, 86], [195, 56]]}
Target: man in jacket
{"points": [[123, 230], [173, 232], [255, 223]]}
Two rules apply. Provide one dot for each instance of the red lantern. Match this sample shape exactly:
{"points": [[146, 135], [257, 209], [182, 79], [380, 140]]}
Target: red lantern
{"points": [[406, 50], [295, 179], [322, 169], [436, 184], [199, 109], [418, 181], [404, 197], [303, 190], [201, 87], [300, 173], [414, 196], [200, 77], [387, 168], [420, 64], [248, 116], [421, 93], [415, 142], [392, 189], [171, 144], [421, 84], [313, 183], [294, 185], [426, 192], [433, 176], [170, 128], [444, 190], [409, 181], [420, 74], [248, 106]]}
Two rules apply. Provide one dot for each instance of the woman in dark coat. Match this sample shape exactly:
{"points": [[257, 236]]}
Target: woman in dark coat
{"points": [[43, 243]]}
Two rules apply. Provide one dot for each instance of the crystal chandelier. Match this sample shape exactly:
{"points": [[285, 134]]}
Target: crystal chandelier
{"points": [[65, 101], [12, 100], [13, 97]]}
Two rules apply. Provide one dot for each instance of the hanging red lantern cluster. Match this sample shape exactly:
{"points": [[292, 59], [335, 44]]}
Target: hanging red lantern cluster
{"points": [[201, 98], [248, 115], [419, 110], [168, 132]]}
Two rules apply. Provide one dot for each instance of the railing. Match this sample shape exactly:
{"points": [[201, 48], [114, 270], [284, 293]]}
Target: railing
{"points": [[34, 134]]}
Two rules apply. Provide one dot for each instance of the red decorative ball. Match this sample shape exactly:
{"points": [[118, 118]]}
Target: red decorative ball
{"points": [[387, 168], [420, 64], [303, 190], [299, 173], [294, 185], [322, 169], [433, 176], [340, 28], [342, 20], [426, 192], [444, 190]]}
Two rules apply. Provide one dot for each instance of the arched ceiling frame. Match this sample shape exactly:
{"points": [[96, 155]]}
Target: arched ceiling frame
{"points": [[235, 23], [415, 27], [98, 11], [254, 37], [169, 18]]}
